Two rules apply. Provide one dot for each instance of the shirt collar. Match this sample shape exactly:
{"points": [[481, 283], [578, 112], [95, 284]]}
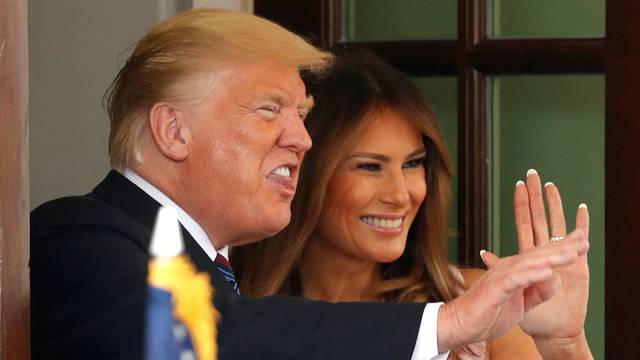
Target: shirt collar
{"points": [[194, 229]]}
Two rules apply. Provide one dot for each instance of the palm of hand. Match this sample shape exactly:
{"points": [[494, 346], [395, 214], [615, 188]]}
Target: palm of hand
{"points": [[563, 315], [545, 286]]}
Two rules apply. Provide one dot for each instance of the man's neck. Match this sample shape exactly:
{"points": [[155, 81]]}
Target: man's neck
{"points": [[189, 223]]}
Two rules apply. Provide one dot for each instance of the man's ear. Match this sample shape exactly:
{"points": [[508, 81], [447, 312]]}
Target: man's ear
{"points": [[169, 130]]}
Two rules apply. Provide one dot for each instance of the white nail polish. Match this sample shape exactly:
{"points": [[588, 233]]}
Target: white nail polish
{"points": [[531, 172], [519, 183], [549, 183], [482, 254], [582, 206]]}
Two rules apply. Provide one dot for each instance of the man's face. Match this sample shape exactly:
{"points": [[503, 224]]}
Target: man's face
{"points": [[247, 142]]}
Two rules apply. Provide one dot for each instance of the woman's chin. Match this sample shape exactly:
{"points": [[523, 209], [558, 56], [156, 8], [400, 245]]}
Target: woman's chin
{"points": [[388, 256]]}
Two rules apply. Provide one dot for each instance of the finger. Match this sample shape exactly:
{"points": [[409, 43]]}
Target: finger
{"points": [[520, 271], [524, 231], [536, 205], [535, 295], [521, 277], [559, 253], [582, 223], [582, 219], [488, 258], [552, 255], [556, 213], [516, 272]]}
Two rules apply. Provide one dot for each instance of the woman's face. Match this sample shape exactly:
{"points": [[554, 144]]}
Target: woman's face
{"points": [[375, 193]]}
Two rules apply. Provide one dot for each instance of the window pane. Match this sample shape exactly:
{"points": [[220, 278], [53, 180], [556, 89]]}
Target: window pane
{"points": [[554, 124], [441, 94], [546, 18], [400, 19]]}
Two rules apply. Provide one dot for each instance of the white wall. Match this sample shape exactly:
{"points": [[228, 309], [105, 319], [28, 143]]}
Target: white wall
{"points": [[75, 49]]}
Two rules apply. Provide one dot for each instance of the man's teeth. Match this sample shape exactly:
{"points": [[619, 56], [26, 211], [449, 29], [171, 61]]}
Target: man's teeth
{"points": [[283, 171], [382, 223]]}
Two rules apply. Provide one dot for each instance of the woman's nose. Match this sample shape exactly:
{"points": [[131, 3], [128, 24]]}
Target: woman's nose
{"points": [[395, 190]]}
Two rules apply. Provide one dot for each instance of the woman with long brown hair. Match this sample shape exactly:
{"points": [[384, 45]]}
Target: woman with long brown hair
{"points": [[369, 219]]}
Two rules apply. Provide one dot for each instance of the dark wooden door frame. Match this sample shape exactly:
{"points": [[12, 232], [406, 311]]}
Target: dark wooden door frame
{"points": [[472, 58], [622, 179], [14, 181]]}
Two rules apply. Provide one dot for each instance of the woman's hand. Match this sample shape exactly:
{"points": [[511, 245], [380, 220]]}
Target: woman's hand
{"points": [[544, 288], [556, 325], [503, 296]]}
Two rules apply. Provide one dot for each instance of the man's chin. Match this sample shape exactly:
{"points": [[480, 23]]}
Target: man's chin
{"points": [[269, 228], [277, 224]]}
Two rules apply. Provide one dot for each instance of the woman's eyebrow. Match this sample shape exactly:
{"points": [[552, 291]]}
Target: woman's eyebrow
{"points": [[418, 152], [421, 151], [370, 155]]}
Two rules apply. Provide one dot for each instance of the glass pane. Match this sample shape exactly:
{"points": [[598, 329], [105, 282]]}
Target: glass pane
{"points": [[554, 124], [546, 18], [441, 94], [399, 20]]}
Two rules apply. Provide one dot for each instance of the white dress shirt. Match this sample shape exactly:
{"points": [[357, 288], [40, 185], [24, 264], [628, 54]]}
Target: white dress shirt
{"points": [[426, 347]]}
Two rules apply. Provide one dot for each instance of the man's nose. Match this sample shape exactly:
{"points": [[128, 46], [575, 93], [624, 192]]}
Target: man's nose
{"points": [[295, 135], [395, 189]]}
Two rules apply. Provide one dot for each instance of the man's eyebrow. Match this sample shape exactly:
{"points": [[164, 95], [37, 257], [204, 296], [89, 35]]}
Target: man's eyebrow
{"points": [[276, 98], [306, 104]]}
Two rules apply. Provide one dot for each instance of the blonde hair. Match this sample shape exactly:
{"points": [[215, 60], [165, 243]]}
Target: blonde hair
{"points": [[183, 47]]}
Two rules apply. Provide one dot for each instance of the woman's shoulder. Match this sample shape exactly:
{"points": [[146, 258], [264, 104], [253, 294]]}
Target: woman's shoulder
{"points": [[466, 276], [470, 275]]}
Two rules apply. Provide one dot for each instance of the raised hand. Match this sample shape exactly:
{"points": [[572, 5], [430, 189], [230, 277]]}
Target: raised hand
{"points": [[504, 294], [559, 321]]}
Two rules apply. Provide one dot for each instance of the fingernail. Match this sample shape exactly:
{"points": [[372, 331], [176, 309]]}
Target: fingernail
{"points": [[531, 172], [582, 206], [518, 183], [482, 254], [549, 183]]}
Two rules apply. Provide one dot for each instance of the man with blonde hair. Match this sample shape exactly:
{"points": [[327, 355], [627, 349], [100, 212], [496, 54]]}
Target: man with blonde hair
{"points": [[207, 118]]}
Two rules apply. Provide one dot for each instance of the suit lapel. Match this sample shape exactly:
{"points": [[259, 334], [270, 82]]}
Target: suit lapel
{"points": [[203, 263], [121, 193]]}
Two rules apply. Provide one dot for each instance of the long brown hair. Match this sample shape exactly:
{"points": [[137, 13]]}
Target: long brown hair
{"points": [[358, 85]]}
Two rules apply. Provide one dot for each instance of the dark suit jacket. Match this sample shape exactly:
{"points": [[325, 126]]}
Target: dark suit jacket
{"points": [[88, 286]]}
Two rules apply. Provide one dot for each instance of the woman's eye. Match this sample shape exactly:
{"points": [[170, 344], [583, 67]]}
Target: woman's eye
{"points": [[368, 167], [414, 163]]}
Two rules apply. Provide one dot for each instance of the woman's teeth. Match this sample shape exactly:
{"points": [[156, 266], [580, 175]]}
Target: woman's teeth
{"points": [[283, 171], [382, 223]]}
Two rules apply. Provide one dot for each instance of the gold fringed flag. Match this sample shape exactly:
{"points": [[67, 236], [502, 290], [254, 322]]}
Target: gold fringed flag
{"points": [[181, 320]]}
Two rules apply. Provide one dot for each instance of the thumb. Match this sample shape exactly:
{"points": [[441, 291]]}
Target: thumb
{"points": [[488, 258]]}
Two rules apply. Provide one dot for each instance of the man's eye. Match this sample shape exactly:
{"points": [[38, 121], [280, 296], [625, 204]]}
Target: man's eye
{"points": [[372, 167], [414, 163], [269, 112]]}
